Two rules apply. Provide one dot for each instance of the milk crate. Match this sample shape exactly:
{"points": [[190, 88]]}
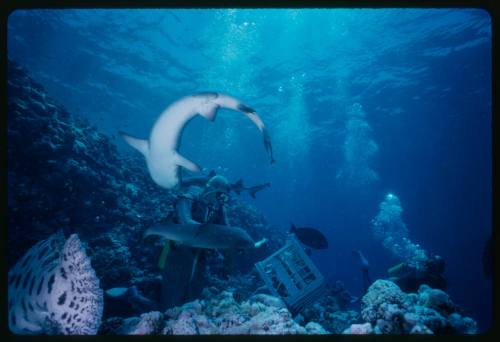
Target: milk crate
{"points": [[290, 274]]}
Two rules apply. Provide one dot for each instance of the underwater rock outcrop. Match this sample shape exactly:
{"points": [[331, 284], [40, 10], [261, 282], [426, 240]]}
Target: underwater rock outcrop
{"points": [[331, 311], [54, 290], [73, 178], [221, 314], [392, 311]]}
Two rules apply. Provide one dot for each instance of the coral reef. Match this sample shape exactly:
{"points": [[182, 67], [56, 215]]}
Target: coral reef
{"points": [[150, 323], [331, 311], [392, 311], [216, 314], [74, 179], [222, 314]]}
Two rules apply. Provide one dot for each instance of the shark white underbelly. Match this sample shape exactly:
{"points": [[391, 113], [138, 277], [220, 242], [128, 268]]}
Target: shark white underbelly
{"points": [[160, 150]]}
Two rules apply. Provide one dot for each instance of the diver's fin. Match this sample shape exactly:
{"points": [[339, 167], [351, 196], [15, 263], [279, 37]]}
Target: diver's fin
{"points": [[141, 145], [186, 163], [162, 261]]}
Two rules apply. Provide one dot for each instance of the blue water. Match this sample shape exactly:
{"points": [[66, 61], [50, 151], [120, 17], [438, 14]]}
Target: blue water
{"points": [[358, 102]]}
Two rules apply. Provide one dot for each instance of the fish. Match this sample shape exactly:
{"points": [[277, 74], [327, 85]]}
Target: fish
{"points": [[160, 150], [53, 289], [238, 187], [134, 297], [310, 237], [205, 235]]}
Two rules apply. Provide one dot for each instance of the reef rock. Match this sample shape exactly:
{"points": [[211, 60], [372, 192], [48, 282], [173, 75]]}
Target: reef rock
{"points": [[359, 329], [150, 323], [223, 315], [392, 311]]}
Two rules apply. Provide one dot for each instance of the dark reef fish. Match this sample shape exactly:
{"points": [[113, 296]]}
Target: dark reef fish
{"points": [[238, 187], [310, 237], [160, 150], [132, 296]]}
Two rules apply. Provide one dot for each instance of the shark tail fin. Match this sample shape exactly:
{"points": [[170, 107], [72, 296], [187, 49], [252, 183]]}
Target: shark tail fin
{"points": [[212, 173], [293, 229], [141, 145]]}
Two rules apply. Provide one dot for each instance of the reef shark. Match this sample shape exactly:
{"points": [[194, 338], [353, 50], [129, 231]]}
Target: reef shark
{"points": [[205, 235], [238, 187], [160, 150]]}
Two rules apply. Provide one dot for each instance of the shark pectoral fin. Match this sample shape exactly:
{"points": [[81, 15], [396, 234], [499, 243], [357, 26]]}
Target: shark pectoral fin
{"points": [[181, 161], [209, 111], [141, 145]]}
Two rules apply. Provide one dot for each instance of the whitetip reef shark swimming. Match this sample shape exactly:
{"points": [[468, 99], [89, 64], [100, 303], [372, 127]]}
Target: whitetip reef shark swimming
{"points": [[205, 236], [160, 150]]}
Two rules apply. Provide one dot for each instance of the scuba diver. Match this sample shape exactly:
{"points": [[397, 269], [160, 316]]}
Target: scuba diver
{"points": [[410, 275], [202, 202], [365, 270], [191, 232]]}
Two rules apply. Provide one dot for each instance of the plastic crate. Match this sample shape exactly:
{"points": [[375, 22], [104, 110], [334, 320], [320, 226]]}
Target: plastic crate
{"points": [[291, 275]]}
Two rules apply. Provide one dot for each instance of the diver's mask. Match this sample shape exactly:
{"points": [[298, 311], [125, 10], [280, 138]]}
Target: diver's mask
{"points": [[217, 190]]}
